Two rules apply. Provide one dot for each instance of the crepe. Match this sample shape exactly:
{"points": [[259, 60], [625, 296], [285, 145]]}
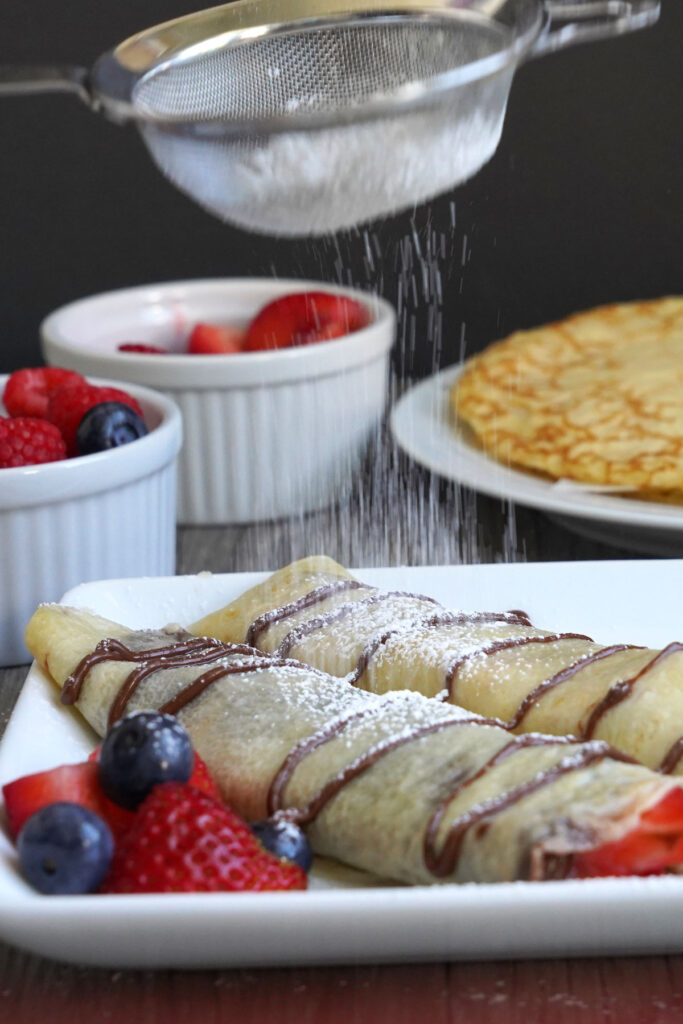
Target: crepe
{"points": [[399, 785], [494, 664], [596, 398]]}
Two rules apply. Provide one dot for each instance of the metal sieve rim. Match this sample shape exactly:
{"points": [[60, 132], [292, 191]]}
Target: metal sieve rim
{"points": [[114, 86]]}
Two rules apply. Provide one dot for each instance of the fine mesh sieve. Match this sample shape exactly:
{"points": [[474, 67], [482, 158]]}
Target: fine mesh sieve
{"points": [[303, 117]]}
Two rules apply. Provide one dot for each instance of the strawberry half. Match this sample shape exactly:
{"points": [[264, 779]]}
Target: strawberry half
{"points": [[27, 391], [651, 848], [303, 318], [209, 340], [72, 783], [184, 841]]}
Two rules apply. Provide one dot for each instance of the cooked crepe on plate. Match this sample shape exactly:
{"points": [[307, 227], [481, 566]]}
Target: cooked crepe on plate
{"points": [[491, 663], [596, 398], [399, 785]]}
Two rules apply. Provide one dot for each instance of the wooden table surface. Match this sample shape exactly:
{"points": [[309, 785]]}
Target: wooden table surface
{"points": [[430, 522]]}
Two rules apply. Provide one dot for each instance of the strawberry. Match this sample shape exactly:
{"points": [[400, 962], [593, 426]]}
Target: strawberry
{"points": [[303, 318], [68, 405], [73, 783], [133, 346], [184, 841], [27, 391], [209, 340], [27, 441], [654, 846], [200, 779]]}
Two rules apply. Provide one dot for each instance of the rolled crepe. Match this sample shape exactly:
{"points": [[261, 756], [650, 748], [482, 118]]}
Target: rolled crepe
{"points": [[495, 664], [399, 785]]}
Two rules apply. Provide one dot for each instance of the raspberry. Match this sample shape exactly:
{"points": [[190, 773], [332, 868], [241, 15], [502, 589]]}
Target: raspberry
{"points": [[27, 391], [68, 405], [26, 441], [184, 841], [133, 346]]}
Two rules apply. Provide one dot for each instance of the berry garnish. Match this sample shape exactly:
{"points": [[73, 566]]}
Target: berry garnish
{"points": [[27, 391], [303, 318], [286, 840], [68, 405], [200, 779], [73, 783], [65, 849], [26, 441], [209, 340], [134, 346], [139, 752], [183, 841], [108, 425]]}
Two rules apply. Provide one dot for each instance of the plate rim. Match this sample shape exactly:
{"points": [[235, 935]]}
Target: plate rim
{"points": [[425, 402]]}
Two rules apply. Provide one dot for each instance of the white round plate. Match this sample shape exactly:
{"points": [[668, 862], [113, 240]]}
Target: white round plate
{"points": [[421, 426]]}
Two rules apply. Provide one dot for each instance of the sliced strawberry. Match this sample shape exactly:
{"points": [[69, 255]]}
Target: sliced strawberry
{"points": [[134, 346], [27, 391], [184, 841], [200, 779], [210, 340], [653, 847], [73, 783], [303, 318]]}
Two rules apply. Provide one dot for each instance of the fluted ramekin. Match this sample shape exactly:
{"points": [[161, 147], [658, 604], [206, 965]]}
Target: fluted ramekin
{"points": [[102, 516], [267, 434]]}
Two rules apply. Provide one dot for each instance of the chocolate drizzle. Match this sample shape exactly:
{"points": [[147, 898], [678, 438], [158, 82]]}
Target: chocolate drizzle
{"points": [[182, 654], [503, 645], [116, 650], [204, 681], [431, 622], [284, 774], [562, 676], [443, 862], [672, 758], [299, 633], [313, 597], [622, 689]]}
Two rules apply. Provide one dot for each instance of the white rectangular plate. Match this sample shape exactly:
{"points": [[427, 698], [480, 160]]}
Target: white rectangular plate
{"points": [[346, 916]]}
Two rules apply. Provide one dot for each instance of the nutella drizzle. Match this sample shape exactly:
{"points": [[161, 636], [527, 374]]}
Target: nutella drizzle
{"points": [[305, 815], [202, 682], [443, 862], [672, 758], [620, 690], [116, 650], [431, 622], [299, 633], [504, 645], [562, 676], [317, 596]]}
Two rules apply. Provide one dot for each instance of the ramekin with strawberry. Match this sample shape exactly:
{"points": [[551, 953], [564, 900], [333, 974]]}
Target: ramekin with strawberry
{"points": [[301, 318]]}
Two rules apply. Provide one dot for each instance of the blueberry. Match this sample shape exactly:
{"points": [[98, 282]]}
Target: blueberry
{"points": [[284, 839], [140, 751], [65, 849], [108, 425]]}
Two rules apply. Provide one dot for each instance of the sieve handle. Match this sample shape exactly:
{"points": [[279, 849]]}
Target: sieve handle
{"points": [[579, 21], [22, 80]]}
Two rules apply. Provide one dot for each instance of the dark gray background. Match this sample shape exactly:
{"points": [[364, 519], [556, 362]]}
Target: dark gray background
{"points": [[580, 205]]}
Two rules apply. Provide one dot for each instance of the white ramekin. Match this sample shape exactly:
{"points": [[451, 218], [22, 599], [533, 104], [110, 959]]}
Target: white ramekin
{"points": [[267, 434], [102, 516]]}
